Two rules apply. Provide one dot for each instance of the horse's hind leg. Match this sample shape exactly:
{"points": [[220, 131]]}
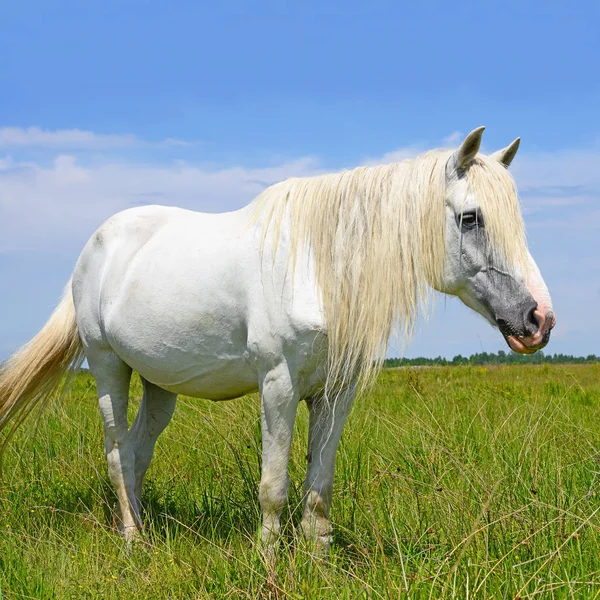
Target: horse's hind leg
{"points": [[154, 414], [112, 380]]}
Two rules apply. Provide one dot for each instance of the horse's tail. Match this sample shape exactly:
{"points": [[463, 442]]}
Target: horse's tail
{"points": [[36, 370]]}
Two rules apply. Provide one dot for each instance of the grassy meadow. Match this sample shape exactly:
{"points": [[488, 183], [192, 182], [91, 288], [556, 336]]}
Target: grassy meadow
{"points": [[451, 482]]}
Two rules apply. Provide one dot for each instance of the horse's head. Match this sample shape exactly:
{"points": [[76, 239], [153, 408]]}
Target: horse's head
{"points": [[505, 287]]}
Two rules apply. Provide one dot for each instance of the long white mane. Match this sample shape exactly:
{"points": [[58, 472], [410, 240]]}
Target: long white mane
{"points": [[377, 235]]}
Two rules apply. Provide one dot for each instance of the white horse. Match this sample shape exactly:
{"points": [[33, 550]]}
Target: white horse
{"points": [[295, 296]]}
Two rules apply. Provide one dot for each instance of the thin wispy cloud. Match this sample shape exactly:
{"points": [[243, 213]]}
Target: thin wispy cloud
{"points": [[60, 203], [75, 139], [453, 139], [397, 155]]}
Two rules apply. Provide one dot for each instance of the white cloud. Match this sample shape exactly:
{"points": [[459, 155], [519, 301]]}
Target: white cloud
{"points": [[62, 203], [73, 139], [453, 139], [395, 156]]}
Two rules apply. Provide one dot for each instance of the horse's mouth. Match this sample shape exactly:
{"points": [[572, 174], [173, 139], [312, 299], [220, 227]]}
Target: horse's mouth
{"points": [[531, 343], [518, 344]]}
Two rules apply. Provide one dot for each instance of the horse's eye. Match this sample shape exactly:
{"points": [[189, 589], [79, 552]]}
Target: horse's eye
{"points": [[469, 220]]}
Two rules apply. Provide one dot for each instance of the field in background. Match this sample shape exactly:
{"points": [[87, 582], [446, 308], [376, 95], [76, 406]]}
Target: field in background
{"points": [[450, 482]]}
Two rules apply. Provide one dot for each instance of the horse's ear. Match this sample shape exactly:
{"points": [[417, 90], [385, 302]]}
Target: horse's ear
{"points": [[468, 149], [506, 155]]}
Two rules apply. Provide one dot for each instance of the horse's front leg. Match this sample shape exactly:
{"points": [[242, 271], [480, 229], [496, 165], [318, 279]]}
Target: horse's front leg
{"points": [[279, 402], [326, 422]]}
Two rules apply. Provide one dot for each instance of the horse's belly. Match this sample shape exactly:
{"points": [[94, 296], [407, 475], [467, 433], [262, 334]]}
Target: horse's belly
{"points": [[193, 343], [230, 380], [196, 368]]}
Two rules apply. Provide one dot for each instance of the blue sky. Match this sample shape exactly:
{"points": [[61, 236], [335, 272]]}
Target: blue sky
{"points": [[105, 105]]}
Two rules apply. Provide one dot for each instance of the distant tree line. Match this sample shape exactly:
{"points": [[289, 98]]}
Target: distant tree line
{"points": [[490, 358]]}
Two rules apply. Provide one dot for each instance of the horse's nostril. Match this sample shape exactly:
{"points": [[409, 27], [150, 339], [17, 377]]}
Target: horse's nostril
{"points": [[531, 321]]}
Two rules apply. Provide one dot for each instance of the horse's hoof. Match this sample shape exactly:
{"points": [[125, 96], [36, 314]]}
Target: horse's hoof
{"points": [[318, 536], [269, 552], [321, 545], [131, 535]]}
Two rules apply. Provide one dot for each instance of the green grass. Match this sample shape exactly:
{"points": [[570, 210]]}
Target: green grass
{"points": [[451, 483]]}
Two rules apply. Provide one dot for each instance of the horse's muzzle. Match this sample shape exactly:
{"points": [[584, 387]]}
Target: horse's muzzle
{"points": [[543, 324]]}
